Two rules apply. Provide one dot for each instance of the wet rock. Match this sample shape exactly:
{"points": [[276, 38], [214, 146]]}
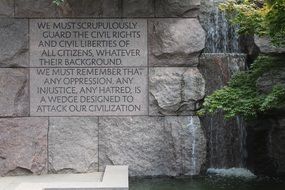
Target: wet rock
{"points": [[177, 8], [152, 146], [92, 8], [14, 98], [265, 46], [175, 42], [23, 146], [138, 8], [73, 144], [221, 35], [175, 90], [7, 8], [218, 68], [225, 138], [14, 42]]}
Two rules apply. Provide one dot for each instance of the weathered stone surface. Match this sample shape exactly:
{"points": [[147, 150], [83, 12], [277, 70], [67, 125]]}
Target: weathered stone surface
{"points": [[175, 90], [14, 98], [23, 146], [152, 146], [73, 144], [35, 8], [218, 68], [14, 42], [7, 8], [94, 8], [266, 82], [266, 47], [175, 41], [177, 8], [138, 8]]}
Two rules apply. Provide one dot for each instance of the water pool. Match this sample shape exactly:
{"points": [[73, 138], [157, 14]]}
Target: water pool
{"points": [[207, 183]]}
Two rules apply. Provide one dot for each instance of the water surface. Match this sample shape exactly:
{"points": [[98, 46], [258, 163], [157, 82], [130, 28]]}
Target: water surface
{"points": [[207, 183]]}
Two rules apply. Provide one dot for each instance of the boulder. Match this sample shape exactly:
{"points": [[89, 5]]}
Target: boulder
{"points": [[177, 8], [23, 146], [14, 95], [138, 8], [175, 90], [73, 144], [152, 146], [175, 42], [265, 46], [7, 8], [14, 42], [273, 77]]}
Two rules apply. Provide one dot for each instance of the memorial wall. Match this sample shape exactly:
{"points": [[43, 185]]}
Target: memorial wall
{"points": [[93, 83], [88, 67]]}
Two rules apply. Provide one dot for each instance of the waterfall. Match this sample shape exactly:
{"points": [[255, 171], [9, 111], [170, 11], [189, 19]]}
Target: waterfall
{"points": [[192, 128], [221, 36], [242, 134], [226, 139]]}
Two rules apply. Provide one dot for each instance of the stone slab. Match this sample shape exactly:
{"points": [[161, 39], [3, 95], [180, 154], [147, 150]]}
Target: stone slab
{"points": [[11, 183], [114, 178], [90, 8], [73, 144], [35, 8], [175, 90], [175, 41], [6, 8], [138, 8], [177, 8], [88, 42], [23, 146], [14, 42], [14, 93], [152, 146]]}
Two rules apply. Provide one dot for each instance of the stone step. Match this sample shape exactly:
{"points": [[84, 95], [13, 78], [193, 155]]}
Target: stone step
{"points": [[114, 177]]}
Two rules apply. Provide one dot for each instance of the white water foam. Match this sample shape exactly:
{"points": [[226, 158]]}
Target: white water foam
{"points": [[231, 172]]}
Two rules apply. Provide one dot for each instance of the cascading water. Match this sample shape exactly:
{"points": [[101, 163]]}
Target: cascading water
{"points": [[242, 134], [226, 139], [221, 36], [192, 127]]}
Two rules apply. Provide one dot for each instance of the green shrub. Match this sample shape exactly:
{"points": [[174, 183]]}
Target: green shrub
{"points": [[58, 2], [264, 18], [242, 97]]}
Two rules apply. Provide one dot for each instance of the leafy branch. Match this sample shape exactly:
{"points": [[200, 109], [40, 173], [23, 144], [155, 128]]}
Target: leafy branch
{"points": [[242, 97]]}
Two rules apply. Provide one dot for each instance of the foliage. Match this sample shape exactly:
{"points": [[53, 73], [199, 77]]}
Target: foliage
{"points": [[261, 17], [58, 2], [242, 97]]}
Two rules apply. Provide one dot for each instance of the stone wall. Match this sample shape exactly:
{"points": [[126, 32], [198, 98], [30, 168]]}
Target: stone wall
{"points": [[169, 140]]}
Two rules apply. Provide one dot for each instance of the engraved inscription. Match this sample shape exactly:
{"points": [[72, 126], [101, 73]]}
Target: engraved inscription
{"points": [[86, 67]]}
